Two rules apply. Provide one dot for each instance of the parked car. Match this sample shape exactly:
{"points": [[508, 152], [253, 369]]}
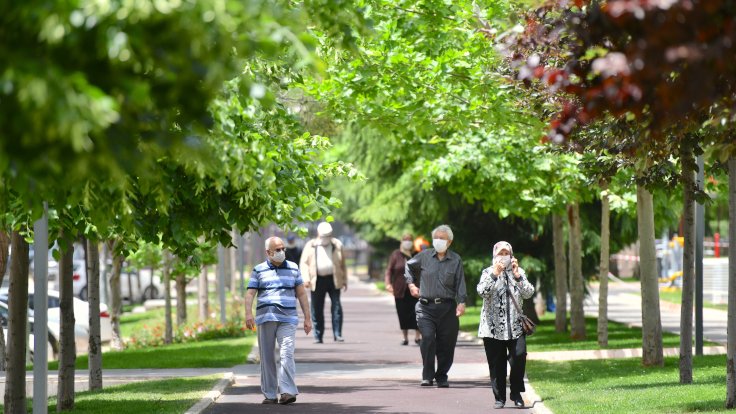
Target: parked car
{"points": [[150, 288], [79, 277], [52, 343], [81, 318]]}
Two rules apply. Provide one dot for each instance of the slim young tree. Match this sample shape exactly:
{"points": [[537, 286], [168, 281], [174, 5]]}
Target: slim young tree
{"points": [[558, 234], [603, 274]]}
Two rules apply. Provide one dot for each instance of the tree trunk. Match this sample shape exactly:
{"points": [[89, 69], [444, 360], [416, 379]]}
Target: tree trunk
{"points": [[181, 300], [15, 377], [577, 287], [169, 330], [603, 274], [93, 295], [67, 344], [138, 285], [227, 267], [153, 271], [652, 353], [688, 266], [130, 289], [116, 302], [731, 329], [203, 295], [558, 235], [234, 271], [4, 254]]}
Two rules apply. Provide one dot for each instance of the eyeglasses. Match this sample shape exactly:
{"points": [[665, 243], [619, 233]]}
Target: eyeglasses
{"points": [[280, 250]]}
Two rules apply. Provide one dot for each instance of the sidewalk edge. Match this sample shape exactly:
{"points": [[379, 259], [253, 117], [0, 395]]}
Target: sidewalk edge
{"points": [[212, 396]]}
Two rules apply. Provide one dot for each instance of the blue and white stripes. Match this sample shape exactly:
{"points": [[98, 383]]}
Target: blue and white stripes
{"points": [[276, 287]]}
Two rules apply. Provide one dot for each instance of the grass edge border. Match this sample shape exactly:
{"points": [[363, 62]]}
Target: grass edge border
{"points": [[208, 399]]}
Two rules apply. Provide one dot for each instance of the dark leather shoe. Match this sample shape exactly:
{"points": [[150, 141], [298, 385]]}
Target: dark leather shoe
{"points": [[405, 342], [269, 401], [499, 404], [519, 403], [426, 383], [287, 398], [443, 384]]}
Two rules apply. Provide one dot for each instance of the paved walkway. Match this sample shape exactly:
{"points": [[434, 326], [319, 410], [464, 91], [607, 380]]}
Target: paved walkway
{"points": [[370, 372], [624, 305]]}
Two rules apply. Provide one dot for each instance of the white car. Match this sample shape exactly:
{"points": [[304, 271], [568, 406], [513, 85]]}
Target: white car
{"points": [[81, 318], [79, 277], [52, 344], [150, 288]]}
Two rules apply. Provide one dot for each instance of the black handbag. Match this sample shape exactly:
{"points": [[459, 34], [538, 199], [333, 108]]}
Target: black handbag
{"points": [[527, 325]]}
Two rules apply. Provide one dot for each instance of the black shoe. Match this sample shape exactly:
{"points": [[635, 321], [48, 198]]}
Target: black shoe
{"points": [[426, 383], [519, 403], [443, 384], [339, 339], [417, 341], [287, 398], [405, 342], [269, 401], [499, 404]]}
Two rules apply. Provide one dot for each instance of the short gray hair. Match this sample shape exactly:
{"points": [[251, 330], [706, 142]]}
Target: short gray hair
{"points": [[267, 243], [445, 229]]}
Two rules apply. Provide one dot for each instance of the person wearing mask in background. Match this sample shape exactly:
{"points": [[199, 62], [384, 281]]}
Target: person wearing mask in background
{"points": [[396, 284], [436, 277], [293, 251], [500, 326], [279, 285], [323, 265]]}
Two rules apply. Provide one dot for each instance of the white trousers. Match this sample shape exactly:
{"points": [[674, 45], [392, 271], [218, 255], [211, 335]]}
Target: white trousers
{"points": [[269, 333]]}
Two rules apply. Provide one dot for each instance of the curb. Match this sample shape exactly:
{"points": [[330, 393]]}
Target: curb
{"points": [[212, 396]]}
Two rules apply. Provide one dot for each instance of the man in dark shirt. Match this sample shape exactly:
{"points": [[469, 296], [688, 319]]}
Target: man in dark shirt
{"points": [[293, 251], [436, 277]]}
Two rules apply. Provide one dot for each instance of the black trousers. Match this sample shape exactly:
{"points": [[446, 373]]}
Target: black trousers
{"points": [[439, 327], [326, 286], [497, 353]]}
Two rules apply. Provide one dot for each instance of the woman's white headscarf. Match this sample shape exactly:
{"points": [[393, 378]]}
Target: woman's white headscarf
{"points": [[500, 246]]}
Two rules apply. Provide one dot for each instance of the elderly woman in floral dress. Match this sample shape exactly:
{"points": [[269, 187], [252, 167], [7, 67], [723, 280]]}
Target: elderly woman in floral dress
{"points": [[500, 327]]}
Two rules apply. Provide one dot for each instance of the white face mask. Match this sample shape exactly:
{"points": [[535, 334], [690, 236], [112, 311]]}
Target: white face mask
{"points": [[406, 245], [440, 245], [505, 261], [278, 257]]}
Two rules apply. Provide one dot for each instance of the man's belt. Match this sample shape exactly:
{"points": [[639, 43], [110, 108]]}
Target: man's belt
{"points": [[427, 301]]}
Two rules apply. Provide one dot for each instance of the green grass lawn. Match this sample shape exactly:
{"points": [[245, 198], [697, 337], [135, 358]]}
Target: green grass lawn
{"points": [[676, 297], [216, 353], [625, 386], [131, 323], [170, 396], [546, 339]]}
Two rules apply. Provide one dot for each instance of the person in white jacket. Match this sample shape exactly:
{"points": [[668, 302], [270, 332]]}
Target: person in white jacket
{"points": [[500, 326]]}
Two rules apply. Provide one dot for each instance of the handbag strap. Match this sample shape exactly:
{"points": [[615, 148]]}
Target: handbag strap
{"points": [[508, 291]]}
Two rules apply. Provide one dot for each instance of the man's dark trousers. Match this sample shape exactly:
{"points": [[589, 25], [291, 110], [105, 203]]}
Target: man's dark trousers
{"points": [[325, 286], [439, 327]]}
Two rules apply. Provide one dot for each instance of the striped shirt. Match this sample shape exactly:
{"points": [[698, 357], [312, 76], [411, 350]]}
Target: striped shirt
{"points": [[276, 291]]}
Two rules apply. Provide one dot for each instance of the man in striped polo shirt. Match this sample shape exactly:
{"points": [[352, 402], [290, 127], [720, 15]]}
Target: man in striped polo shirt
{"points": [[278, 284]]}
